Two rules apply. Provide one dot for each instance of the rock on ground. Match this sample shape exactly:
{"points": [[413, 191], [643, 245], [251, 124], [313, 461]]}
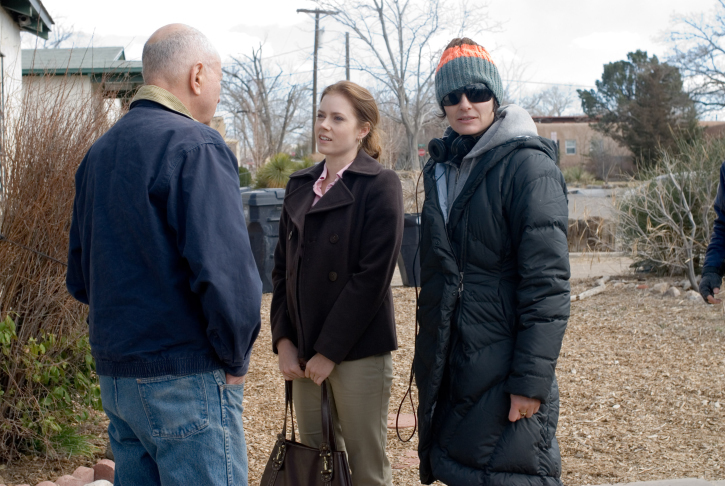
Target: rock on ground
{"points": [[672, 292], [660, 288], [693, 296]]}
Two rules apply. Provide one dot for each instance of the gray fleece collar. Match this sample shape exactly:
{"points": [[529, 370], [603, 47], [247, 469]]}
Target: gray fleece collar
{"points": [[513, 121]]}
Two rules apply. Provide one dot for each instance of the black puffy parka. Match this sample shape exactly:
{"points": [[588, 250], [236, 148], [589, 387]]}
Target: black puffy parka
{"points": [[493, 309]]}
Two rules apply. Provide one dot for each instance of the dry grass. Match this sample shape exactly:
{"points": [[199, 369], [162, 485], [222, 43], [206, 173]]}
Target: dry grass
{"points": [[660, 360], [45, 138]]}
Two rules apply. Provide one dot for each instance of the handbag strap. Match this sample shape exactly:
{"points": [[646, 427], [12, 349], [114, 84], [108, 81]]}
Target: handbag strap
{"points": [[328, 430], [328, 445], [288, 404]]}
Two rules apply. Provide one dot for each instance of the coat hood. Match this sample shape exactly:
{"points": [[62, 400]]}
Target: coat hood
{"points": [[513, 129], [512, 122]]}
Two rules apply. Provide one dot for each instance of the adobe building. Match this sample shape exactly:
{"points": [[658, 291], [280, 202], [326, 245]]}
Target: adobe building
{"points": [[578, 141]]}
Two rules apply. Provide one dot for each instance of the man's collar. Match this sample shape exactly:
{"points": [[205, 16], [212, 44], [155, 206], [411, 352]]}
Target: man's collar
{"points": [[162, 97]]}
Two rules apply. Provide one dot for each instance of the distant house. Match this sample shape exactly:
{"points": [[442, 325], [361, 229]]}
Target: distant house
{"points": [[713, 129], [16, 16], [84, 71], [581, 145], [218, 124]]}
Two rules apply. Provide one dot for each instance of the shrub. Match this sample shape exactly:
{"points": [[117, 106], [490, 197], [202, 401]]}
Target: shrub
{"points": [[46, 377], [577, 175], [276, 172], [305, 162], [61, 374], [666, 221], [245, 177]]}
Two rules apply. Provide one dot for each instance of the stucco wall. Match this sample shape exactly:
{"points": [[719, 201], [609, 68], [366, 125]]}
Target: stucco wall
{"points": [[75, 87], [12, 66], [582, 135]]}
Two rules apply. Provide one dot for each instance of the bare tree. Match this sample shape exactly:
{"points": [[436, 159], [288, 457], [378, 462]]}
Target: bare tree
{"points": [[556, 100], [515, 74], [607, 158], [398, 53], [61, 35], [698, 49], [553, 101], [264, 105]]}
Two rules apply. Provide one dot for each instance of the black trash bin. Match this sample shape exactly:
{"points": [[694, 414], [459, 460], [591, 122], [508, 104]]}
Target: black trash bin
{"points": [[262, 209], [409, 258]]}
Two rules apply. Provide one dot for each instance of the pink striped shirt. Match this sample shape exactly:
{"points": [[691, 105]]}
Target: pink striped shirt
{"points": [[317, 188]]}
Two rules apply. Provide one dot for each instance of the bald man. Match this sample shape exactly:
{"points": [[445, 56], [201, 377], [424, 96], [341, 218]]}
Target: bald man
{"points": [[160, 252]]}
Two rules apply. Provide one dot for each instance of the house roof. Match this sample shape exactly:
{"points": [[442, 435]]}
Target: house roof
{"points": [[30, 15], [106, 66], [563, 119], [90, 60]]}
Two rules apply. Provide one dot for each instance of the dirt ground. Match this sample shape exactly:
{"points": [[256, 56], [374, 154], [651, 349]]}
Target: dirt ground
{"points": [[642, 381]]}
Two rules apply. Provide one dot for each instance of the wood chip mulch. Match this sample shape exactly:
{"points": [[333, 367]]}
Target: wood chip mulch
{"points": [[642, 380]]}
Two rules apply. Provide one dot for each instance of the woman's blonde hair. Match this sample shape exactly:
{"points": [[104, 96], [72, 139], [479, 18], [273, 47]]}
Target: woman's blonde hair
{"points": [[366, 112]]}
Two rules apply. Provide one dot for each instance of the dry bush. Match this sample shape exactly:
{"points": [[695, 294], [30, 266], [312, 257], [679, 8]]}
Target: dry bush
{"points": [[666, 221], [591, 234], [46, 373], [412, 183]]}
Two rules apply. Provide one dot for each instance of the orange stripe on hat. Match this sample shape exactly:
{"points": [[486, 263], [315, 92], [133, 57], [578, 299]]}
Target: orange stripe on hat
{"points": [[464, 50]]}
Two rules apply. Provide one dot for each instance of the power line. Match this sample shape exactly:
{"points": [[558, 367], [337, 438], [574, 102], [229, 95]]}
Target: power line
{"points": [[547, 83], [297, 72], [522, 81]]}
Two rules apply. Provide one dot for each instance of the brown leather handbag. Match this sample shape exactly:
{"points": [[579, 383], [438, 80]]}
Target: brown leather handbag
{"points": [[295, 464]]}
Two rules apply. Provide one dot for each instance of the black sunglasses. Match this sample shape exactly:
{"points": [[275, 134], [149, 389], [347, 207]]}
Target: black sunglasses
{"points": [[476, 93]]}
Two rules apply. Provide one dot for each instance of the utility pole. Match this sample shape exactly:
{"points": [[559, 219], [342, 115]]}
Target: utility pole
{"points": [[317, 12], [347, 56]]}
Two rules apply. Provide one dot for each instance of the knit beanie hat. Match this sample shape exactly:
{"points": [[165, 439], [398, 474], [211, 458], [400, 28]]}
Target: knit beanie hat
{"points": [[463, 65]]}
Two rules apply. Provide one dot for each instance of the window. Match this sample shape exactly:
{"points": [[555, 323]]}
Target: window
{"points": [[553, 137], [570, 147]]}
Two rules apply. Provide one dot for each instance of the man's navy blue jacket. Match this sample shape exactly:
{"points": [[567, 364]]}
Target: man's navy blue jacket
{"points": [[159, 249], [716, 249]]}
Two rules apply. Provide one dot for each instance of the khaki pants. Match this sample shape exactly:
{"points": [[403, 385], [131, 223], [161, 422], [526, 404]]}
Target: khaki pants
{"points": [[359, 394]]}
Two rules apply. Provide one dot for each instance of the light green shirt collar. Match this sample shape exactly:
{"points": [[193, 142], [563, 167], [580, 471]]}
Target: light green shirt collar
{"points": [[162, 97]]}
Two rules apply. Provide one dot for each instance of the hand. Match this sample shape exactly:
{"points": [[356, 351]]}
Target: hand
{"points": [[235, 380], [289, 363], [523, 407], [711, 299], [319, 368], [710, 287]]}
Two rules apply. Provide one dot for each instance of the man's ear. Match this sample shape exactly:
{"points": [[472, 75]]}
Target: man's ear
{"points": [[196, 78]]}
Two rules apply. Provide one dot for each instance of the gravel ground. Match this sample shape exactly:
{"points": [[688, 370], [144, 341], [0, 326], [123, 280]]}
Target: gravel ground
{"points": [[642, 381]]}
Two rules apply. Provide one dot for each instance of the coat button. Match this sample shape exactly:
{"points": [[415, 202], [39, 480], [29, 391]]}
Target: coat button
{"points": [[290, 235], [334, 238], [332, 276]]}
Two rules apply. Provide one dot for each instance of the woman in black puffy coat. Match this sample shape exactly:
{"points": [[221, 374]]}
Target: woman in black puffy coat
{"points": [[494, 301]]}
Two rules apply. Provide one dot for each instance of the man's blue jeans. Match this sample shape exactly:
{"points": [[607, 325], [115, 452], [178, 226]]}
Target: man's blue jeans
{"points": [[174, 430]]}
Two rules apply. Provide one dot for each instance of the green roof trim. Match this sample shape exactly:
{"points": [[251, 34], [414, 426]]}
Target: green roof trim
{"points": [[43, 60], [30, 15], [91, 60]]}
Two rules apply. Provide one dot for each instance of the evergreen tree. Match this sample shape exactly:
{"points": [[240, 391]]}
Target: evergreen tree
{"points": [[641, 104]]}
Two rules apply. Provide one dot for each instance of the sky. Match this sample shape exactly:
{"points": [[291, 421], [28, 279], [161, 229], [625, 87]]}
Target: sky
{"points": [[539, 43]]}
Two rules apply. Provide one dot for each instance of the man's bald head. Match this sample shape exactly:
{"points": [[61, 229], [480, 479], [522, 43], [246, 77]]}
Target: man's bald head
{"points": [[172, 50]]}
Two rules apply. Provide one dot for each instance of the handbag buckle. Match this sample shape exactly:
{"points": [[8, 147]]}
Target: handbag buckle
{"points": [[326, 456], [279, 458]]}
